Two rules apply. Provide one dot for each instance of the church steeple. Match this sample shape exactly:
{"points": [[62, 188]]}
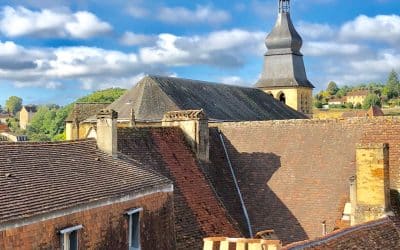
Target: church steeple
{"points": [[284, 72], [284, 37], [284, 6]]}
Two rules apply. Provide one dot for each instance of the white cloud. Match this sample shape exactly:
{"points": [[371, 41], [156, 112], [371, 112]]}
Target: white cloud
{"points": [[315, 30], [40, 84], [133, 39], [21, 21], [202, 14], [331, 49], [226, 48], [384, 28], [85, 24], [233, 80]]}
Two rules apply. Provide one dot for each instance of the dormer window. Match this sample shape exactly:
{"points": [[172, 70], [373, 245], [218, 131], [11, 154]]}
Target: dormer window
{"points": [[69, 238]]}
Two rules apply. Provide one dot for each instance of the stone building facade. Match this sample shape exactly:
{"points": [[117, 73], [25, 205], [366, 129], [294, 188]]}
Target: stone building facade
{"points": [[25, 116]]}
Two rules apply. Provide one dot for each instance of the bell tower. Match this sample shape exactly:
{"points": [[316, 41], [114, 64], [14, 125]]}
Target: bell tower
{"points": [[284, 75]]}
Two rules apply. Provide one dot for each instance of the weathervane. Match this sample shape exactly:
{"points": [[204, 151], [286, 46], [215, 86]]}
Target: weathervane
{"points": [[284, 6]]}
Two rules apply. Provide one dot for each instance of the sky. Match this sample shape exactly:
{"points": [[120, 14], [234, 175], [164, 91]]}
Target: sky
{"points": [[54, 51]]}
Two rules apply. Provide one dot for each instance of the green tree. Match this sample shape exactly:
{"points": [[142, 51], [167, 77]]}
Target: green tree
{"points": [[372, 100], [48, 124], [13, 104], [340, 93], [332, 88], [106, 95], [393, 85], [349, 105]]}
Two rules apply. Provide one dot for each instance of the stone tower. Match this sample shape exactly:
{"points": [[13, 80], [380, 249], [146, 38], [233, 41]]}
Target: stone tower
{"points": [[284, 75]]}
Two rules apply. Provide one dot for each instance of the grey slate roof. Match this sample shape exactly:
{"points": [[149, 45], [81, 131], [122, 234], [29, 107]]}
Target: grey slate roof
{"points": [[38, 178], [82, 111], [283, 63], [155, 95]]}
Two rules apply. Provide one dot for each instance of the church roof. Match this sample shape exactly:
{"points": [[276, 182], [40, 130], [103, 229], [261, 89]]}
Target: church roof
{"points": [[153, 96]]}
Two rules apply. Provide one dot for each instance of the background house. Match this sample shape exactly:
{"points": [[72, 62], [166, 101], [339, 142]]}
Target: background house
{"points": [[25, 115]]}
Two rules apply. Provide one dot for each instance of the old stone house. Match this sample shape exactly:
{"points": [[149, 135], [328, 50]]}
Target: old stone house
{"points": [[25, 115], [72, 195], [357, 97]]}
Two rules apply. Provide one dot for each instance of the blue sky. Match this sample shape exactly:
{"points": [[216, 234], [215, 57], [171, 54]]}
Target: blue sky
{"points": [[53, 51]]}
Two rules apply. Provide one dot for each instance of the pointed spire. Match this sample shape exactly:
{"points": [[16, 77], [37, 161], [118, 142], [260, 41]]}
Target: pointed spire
{"points": [[284, 6], [283, 62], [284, 37]]}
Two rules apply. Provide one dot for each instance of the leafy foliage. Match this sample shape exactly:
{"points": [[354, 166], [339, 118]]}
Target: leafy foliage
{"points": [[107, 95], [386, 93], [372, 100], [13, 104], [48, 124], [332, 88], [392, 85]]}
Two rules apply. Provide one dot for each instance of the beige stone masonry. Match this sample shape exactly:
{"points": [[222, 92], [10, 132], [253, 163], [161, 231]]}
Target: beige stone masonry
{"points": [[372, 182], [222, 243], [194, 124], [107, 131]]}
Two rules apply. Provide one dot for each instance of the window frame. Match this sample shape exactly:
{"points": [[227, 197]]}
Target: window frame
{"points": [[65, 237], [130, 213]]}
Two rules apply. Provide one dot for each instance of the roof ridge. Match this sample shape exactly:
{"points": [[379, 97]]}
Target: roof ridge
{"points": [[338, 233], [200, 81], [36, 143]]}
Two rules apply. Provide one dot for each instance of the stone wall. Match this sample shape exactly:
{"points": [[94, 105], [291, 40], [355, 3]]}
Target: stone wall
{"points": [[295, 174], [103, 228]]}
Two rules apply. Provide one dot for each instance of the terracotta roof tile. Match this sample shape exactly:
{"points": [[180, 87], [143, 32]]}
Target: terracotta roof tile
{"points": [[198, 211], [379, 234], [36, 178]]}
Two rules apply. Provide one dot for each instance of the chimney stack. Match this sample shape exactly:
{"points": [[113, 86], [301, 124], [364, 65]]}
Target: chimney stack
{"points": [[372, 198], [194, 124], [107, 131]]}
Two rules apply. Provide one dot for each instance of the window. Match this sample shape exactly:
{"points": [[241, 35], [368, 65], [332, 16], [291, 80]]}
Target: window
{"points": [[69, 238], [134, 229], [282, 98]]}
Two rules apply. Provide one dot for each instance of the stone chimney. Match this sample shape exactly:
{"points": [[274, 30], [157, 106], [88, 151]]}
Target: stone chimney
{"points": [[372, 196], [194, 124], [132, 119], [107, 131]]}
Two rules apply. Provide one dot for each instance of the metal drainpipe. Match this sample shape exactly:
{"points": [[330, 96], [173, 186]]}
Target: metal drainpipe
{"points": [[246, 215]]}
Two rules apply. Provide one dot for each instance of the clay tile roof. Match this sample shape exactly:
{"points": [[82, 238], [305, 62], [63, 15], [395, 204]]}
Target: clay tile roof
{"points": [[198, 211], [82, 111], [358, 93], [375, 111], [4, 128], [153, 96], [38, 178], [379, 234]]}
